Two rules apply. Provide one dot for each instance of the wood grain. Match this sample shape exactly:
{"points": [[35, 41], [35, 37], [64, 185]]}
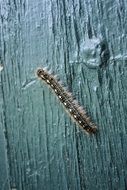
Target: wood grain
{"points": [[84, 42]]}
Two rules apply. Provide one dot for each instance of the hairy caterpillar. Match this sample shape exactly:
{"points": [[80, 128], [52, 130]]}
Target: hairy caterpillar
{"points": [[65, 97]]}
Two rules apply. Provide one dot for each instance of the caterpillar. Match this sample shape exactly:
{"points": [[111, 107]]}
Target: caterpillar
{"points": [[77, 113]]}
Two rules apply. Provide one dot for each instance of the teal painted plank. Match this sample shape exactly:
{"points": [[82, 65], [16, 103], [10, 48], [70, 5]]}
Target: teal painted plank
{"points": [[4, 177], [84, 43], [4, 180]]}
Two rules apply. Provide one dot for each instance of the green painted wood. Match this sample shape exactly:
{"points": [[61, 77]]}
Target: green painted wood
{"points": [[84, 42], [4, 178]]}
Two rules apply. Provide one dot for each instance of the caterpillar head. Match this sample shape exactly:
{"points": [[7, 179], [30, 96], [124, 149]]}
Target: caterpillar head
{"points": [[41, 73]]}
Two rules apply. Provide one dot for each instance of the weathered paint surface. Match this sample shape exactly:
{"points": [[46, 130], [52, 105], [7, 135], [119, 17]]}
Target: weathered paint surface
{"points": [[84, 42], [4, 178]]}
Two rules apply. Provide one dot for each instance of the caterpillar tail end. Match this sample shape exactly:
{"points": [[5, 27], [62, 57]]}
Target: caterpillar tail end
{"points": [[91, 130]]}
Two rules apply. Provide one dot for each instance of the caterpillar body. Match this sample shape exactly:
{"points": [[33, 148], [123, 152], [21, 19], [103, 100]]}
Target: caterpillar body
{"points": [[75, 111]]}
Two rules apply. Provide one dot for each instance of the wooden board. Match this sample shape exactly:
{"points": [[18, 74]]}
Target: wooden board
{"points": [[84, 42]]}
